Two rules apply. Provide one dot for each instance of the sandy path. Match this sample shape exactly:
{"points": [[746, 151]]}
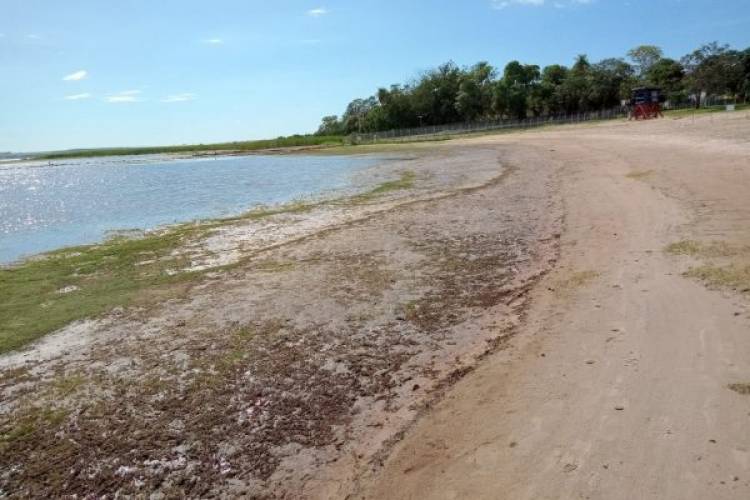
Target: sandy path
{"points": [[616, 385]]}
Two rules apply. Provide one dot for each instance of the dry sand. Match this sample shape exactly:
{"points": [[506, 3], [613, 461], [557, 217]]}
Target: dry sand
{"points": [[509, 328], [616, 384]]}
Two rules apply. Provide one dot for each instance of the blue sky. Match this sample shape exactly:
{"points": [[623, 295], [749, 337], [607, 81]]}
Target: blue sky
{"points": [[94, 73]]}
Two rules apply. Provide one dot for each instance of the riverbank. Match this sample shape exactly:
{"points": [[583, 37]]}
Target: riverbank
{"points": [[236, 147], [629, 376], [321, 352], [327, 333]]}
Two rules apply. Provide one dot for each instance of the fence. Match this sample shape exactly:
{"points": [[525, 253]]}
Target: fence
{"points": [[439, 131]]}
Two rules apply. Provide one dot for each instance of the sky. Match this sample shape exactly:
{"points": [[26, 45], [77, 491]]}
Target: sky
{"points": [[97, 73]]}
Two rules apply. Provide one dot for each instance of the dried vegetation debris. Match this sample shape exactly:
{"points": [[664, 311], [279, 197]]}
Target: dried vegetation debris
{"points": [[190, 408], [724, 264]]}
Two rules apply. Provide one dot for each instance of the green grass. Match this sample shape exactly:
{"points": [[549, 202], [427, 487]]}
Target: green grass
{"points": [[106, 275], [725, 265], [681, 113], [65, 386], [406, 181], [729, 276], [281, 142], [707, 250], [119, 272], [32, 419]]}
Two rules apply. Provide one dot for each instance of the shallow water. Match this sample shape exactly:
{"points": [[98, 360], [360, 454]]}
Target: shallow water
{"points": [[73, 202]]}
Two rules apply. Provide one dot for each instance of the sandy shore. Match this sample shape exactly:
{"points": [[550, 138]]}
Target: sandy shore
{"points": [[509, 327], [293, 371], [626, 379]]}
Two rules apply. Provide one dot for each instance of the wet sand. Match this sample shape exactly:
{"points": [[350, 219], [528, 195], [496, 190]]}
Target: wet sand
{"points": [[290, 373]]}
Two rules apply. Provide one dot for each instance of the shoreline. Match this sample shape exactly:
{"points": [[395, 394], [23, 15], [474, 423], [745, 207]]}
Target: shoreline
{"points": [[186, 251], [427, 336], [483, 315], [359, 184]]}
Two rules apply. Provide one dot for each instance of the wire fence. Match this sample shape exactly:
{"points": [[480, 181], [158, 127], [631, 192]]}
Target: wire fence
{"points": [[439, 131]]}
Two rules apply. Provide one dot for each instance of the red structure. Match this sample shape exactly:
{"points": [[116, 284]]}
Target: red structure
{"points": [[645, 103]]}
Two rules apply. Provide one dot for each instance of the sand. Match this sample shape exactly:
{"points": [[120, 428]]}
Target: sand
{"points": [[620, 388], [511, 327]]}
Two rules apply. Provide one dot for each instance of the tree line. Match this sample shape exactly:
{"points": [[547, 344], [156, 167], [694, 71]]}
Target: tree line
{"points": [[451, 94]]}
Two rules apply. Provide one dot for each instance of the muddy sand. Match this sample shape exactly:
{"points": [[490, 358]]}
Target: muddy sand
{"points": [[509, 327]]}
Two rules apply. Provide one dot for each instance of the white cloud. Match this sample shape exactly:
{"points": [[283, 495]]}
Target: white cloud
{"points": [[187, 96], [214, 41], [77, 76], [559, 4], [502, 4], [33, 36], [320, 11], [78, 97], [124, 96]]}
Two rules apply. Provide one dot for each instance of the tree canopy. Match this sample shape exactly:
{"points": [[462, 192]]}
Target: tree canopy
{"points": [[450, 94]]}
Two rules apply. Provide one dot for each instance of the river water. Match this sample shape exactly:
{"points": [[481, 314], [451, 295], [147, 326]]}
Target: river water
{"points": [[44, 207]]}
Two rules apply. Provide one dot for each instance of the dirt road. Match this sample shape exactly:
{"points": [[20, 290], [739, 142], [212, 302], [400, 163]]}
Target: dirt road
{"points": [[617, 384]]}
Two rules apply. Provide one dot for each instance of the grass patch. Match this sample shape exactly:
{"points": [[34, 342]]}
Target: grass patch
{"points": [[27, 424], [726, 264], [241, 146], [732, 276], [121, 271], [714, 249], [575, 281], [118, 272], [685, 247], [105, 275], [743, 389], [65, 386], [403, 148], [681, 113], [639, 174], [406, 181]]}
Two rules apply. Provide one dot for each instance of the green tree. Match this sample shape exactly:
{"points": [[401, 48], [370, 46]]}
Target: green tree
{"points": [[573, 93], [449, 94], [330, 125], [513, 94], [396, 109], [609, 81], [581, 66], [668, 75], [355, 116], [546, 97], [474, 98], [434, 95], [745, 89], [644, 57], [554, 74], [714, 69]]}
